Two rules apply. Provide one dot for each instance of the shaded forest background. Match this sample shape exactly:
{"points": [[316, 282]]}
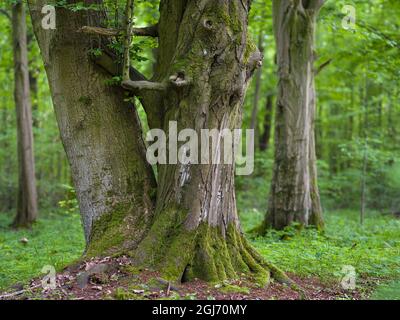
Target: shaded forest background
{"points": [[357, 110]]}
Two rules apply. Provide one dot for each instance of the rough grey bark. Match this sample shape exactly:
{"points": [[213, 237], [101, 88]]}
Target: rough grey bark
{"points": [[27, 194], [196, 233], [294, 193], [101, 134]]}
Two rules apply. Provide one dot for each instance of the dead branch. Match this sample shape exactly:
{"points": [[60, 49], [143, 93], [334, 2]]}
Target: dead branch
{"points": [[323, 66], [17, 293], [107, 32], [143, 85], [151, 31]]}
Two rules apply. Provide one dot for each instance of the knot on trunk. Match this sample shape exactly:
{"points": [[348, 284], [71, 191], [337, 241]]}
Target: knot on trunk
{"points": [[179, 79], [208, 24]]}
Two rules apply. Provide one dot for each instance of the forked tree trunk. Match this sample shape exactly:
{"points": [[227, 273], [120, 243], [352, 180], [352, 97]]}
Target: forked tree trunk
{"points": [[294, 195], [206, 60], [27, 194]]}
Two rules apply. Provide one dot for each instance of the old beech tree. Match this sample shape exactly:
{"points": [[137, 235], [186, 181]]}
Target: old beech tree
{"points": [[185, 224], [294, 195]]}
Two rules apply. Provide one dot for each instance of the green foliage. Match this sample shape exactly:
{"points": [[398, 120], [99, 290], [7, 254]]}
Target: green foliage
{"points": [[56, 240], [338, 190], [342, 189], [96, 52], [358, 103], [77, 6], [114, 81], [70, 203], [253, 190], [389, 291], [372, 249], [52, 170]]}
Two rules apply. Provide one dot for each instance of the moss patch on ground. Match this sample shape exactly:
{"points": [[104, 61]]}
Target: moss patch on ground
{"points": [[230, 288]]}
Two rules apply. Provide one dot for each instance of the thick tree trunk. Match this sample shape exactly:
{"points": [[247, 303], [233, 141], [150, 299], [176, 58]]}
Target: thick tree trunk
{"points": [[265, 137], [294, 193], [101, 134], [27, 194]]}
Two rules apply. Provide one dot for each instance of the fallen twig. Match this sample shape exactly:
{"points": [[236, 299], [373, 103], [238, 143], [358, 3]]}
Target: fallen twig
{"points": [[17, 293]]}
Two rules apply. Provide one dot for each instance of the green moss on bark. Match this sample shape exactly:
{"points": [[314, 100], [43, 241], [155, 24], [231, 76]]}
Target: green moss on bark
{"points": [[206, 253], [114, 232], [251, 47], [229, 16]]}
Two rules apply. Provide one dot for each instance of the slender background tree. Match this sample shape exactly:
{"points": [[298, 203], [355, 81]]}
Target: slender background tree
{"points": [[294, 195], [27, 194]]}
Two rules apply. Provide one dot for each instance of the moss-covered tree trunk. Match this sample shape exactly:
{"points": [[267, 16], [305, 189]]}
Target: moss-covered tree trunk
{"points": [[294, 195], [196, 233], [101, 134], [205, 61], [27, 194]]}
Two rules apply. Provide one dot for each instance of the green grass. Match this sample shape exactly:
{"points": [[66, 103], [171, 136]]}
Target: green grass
{"points": [[372, 249], [389, 291], [56, 239]]}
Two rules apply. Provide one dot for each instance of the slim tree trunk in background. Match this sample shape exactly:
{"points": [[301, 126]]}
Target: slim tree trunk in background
{"points": [[363, 198], [33, 84], [266, 135], [294, 193], [392, 131], [27, 194], [34, 93], [254, 113], [350, 126], [364, 184]]}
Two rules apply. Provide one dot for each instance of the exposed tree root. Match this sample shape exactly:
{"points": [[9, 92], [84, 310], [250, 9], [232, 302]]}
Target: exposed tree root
{"points": [[204, 253], [182, 254]]}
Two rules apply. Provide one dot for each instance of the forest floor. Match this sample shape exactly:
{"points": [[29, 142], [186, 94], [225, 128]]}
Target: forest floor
{"points": [[115, 278], [314, 260]]}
